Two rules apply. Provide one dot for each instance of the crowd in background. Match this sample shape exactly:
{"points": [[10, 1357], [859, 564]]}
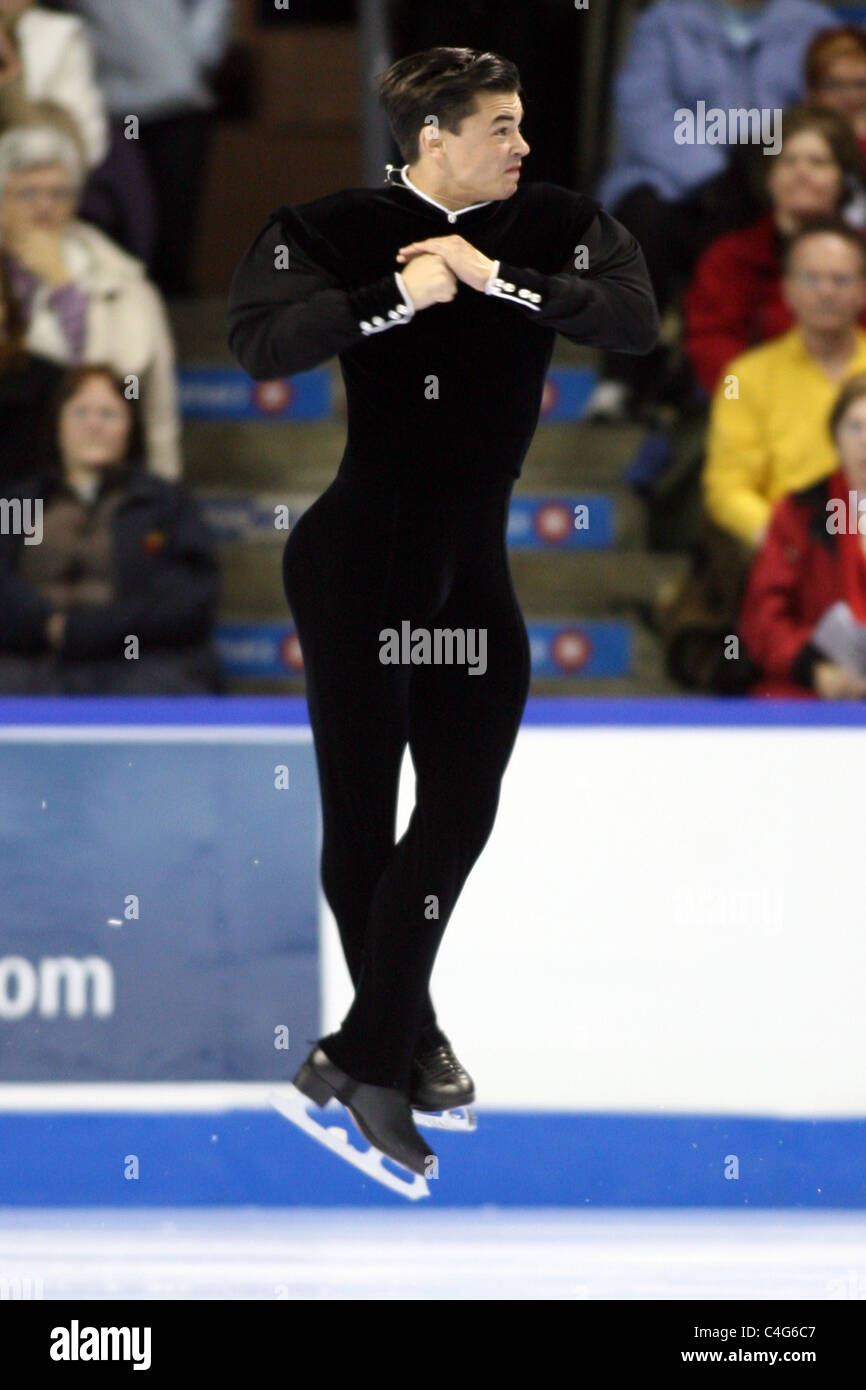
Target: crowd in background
{"points": [[757, 391], [105, 111], [759, 261]]}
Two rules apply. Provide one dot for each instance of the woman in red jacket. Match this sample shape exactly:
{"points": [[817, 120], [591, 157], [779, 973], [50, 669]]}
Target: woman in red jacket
{"points": [[803, 618], [735, 300]]}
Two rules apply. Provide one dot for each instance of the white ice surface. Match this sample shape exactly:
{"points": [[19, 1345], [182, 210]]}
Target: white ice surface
{"points": [[280, 1253]]}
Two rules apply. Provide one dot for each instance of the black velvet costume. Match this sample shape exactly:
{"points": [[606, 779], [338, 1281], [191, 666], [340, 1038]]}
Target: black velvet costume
{"points": [[442, 406]]}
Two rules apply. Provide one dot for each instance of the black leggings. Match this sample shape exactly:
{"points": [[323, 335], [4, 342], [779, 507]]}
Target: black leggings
{"points": [[362, 559]]}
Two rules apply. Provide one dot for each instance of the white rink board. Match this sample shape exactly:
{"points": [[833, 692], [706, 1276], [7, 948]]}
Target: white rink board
{"points": [[663, 918]]}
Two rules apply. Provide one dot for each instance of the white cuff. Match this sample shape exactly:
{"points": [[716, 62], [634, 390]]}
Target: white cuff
{"points": [[488, 288], [405, 293]]}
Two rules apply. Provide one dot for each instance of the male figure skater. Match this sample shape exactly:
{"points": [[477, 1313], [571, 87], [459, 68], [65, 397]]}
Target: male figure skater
{"points": [[441, 292]]}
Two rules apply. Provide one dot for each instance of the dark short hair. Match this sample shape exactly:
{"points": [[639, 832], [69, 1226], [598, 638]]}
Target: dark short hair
{"points": [[837, 41], [837, 134], [824, 226], [69, 385], [853, 390], [440, 82]]}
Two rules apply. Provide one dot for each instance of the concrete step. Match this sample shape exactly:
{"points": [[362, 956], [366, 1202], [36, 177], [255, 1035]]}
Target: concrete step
{"points": [[594, 582], [200, 330], [548, 584], [304, 455]]}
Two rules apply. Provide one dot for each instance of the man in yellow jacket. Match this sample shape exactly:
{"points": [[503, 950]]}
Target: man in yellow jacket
{"points": [[768, 431]]}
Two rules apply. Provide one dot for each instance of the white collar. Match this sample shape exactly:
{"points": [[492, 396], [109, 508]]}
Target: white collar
{"points": [[453, 213]]}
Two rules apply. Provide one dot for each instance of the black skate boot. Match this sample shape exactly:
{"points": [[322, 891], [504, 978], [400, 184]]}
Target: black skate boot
{"points": [[382, 1114], [439, 1080]]}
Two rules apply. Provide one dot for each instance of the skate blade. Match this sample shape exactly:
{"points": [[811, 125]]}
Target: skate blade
{"points": [[460, 1118], [292, 1104]]}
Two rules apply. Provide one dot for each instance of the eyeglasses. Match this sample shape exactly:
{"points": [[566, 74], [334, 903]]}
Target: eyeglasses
{"points": [[815, 161], [33, 195], [107, 414], [812, 281], [838, 84]]}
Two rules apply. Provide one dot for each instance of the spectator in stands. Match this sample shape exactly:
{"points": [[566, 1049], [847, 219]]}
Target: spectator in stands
{"points": [[47, 57], [26, 382], [82, 297], [153, 62], [803, 619], [735, 298], [767, 432], [836, 75], [676, 198], [120, 555], [46, 74]]}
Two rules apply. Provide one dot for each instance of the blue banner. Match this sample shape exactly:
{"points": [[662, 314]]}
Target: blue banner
{"points": [[560, 523], [227, 393], [558, 649], [160, 906], [566, 393], [534, 523]]}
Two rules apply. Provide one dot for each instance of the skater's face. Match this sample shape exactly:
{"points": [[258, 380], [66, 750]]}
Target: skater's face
{"points": [[483, 162], [805, 179], [95, 426], [825, 287], [851, 444]]}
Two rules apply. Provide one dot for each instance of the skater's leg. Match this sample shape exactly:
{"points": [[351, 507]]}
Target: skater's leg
{"points": [[462, 729], [358, 707]]}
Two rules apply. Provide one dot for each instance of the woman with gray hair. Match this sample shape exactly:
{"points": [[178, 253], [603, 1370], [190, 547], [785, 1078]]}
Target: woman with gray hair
{"points": [[82, 297]]}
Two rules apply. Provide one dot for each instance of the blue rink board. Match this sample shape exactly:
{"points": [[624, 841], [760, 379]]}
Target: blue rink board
{"points": [[679, 711], [513, 1159]]}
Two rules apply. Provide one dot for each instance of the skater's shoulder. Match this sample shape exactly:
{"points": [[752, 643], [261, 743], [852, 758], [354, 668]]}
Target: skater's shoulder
{"points": [[336, 216], [555, 198]]}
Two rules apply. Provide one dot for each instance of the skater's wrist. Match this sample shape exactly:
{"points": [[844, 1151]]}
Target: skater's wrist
{"points": [[380, 306]]}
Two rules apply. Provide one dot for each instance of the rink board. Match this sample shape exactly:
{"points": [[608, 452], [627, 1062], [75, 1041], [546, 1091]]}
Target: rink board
{"points": [[655, 971]]}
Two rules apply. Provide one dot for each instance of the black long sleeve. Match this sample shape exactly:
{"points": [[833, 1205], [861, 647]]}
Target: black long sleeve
{"points": [[610, 304], [456, 387], [289, 319]]}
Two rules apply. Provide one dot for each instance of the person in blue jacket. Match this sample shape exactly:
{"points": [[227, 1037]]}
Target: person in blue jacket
{"points": [[677, 197]]}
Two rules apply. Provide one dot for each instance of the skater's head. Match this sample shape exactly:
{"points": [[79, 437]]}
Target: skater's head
{"points": [[455, 114]]}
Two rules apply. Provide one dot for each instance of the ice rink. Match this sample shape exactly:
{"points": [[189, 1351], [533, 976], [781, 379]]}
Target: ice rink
{"points": [[258, 1253]]}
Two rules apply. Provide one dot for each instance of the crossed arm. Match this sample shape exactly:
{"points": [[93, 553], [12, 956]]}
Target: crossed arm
{"points": [[287, 320]]}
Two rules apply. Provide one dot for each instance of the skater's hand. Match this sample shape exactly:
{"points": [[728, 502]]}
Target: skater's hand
{"points": [[467, 263], [429, 281], [834, 682]]}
